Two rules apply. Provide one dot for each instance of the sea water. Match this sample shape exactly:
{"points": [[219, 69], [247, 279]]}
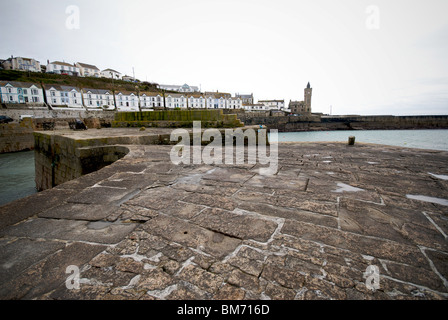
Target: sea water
{"points": [[16, 176], [436, 139]]}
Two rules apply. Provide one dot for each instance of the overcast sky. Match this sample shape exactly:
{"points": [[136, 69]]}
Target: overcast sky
{"points": [[361, 57]]}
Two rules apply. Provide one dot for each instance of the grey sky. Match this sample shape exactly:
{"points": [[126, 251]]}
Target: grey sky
{"points": [[270, 48]]}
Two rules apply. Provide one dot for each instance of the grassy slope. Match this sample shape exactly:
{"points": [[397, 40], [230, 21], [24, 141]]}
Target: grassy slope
{"points": [[80, 82]]}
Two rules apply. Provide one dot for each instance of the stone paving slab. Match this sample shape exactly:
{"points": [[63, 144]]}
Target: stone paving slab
{"points": [[146, 229]]}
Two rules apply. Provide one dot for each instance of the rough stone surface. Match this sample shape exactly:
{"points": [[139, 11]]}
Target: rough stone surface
{"points": [[145, 229]]}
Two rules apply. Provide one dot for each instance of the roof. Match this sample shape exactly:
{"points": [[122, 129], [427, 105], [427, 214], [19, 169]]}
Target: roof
{"points": [[19, 84], [88, 66], [271, 100], [244, 96], [60, 87], [96, 91], [125, 92], [150, 93], [112, 70], [62, 63]]}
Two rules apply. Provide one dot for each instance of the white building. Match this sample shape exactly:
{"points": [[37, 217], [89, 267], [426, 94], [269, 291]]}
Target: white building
{"points": [[62, 68], [98, 98], [60, 95], [110, 74], [234, 103], [217, 100], [22, 64], [196, 101], [255, 107], [88, 70], [183, 88], [20, 92], [176, 100], [127, 101], [273, 104], [149, 100], [127, 78]]}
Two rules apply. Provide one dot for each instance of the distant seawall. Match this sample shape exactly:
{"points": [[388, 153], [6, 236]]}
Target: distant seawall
{"points": [[318, 123]]}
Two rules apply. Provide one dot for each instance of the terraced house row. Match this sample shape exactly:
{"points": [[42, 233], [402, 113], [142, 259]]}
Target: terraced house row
{"points": [[57, 96]]}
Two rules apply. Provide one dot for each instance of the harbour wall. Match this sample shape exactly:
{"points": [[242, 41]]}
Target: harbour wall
{"points": [[323, 123], [16, 136]]}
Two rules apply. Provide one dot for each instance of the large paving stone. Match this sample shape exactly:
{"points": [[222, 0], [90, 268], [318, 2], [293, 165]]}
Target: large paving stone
{"points": [[79, 211], [102, 195], [377, 247], [50, 273], [18, 255], [239, 225], [191, 235], [97, 232]]}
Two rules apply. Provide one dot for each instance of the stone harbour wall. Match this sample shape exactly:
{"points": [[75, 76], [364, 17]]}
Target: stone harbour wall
{"points": [[16, 137]]}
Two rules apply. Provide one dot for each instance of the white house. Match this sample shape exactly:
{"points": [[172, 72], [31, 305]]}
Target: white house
{"points": [[217, 100], [176, 100], [22, 64], [127, 78], [20, 92], [60, 95], [149, 100], [127, 101], [98, 98], [196, 101], [183, 88], [88, 70], [255, 107], [63, 68], [110, 74], [273, 104], [234, 103]]}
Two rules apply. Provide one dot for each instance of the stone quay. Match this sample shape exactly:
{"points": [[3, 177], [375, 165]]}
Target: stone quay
{"points": [[335, 222]]}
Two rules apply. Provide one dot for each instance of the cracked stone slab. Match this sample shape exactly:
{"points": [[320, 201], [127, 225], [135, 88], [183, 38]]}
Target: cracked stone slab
{"points": [[96, 232], [79, 211], [49, 273], [377, 247], [238, 225], [191, 235], [18, 255], [102, 195]]}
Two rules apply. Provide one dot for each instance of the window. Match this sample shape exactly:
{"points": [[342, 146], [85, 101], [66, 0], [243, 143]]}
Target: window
{"points": [[9, 90], [54, 101], [25, 91], [53, 94]]}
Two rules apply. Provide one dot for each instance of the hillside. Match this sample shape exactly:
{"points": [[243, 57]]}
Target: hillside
{"points": [[80, 82]]}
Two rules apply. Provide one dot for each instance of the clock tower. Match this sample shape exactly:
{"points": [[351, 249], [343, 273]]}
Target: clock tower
{"points": [[307, 100]]}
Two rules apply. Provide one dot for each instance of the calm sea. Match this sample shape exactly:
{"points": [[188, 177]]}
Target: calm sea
{"points": [[16, 176], [17, 169], [421, 139]]}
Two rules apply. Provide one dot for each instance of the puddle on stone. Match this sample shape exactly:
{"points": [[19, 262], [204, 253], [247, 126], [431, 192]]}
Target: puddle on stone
{"points": [[443, 202], [347, 188], [439, 176]]}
